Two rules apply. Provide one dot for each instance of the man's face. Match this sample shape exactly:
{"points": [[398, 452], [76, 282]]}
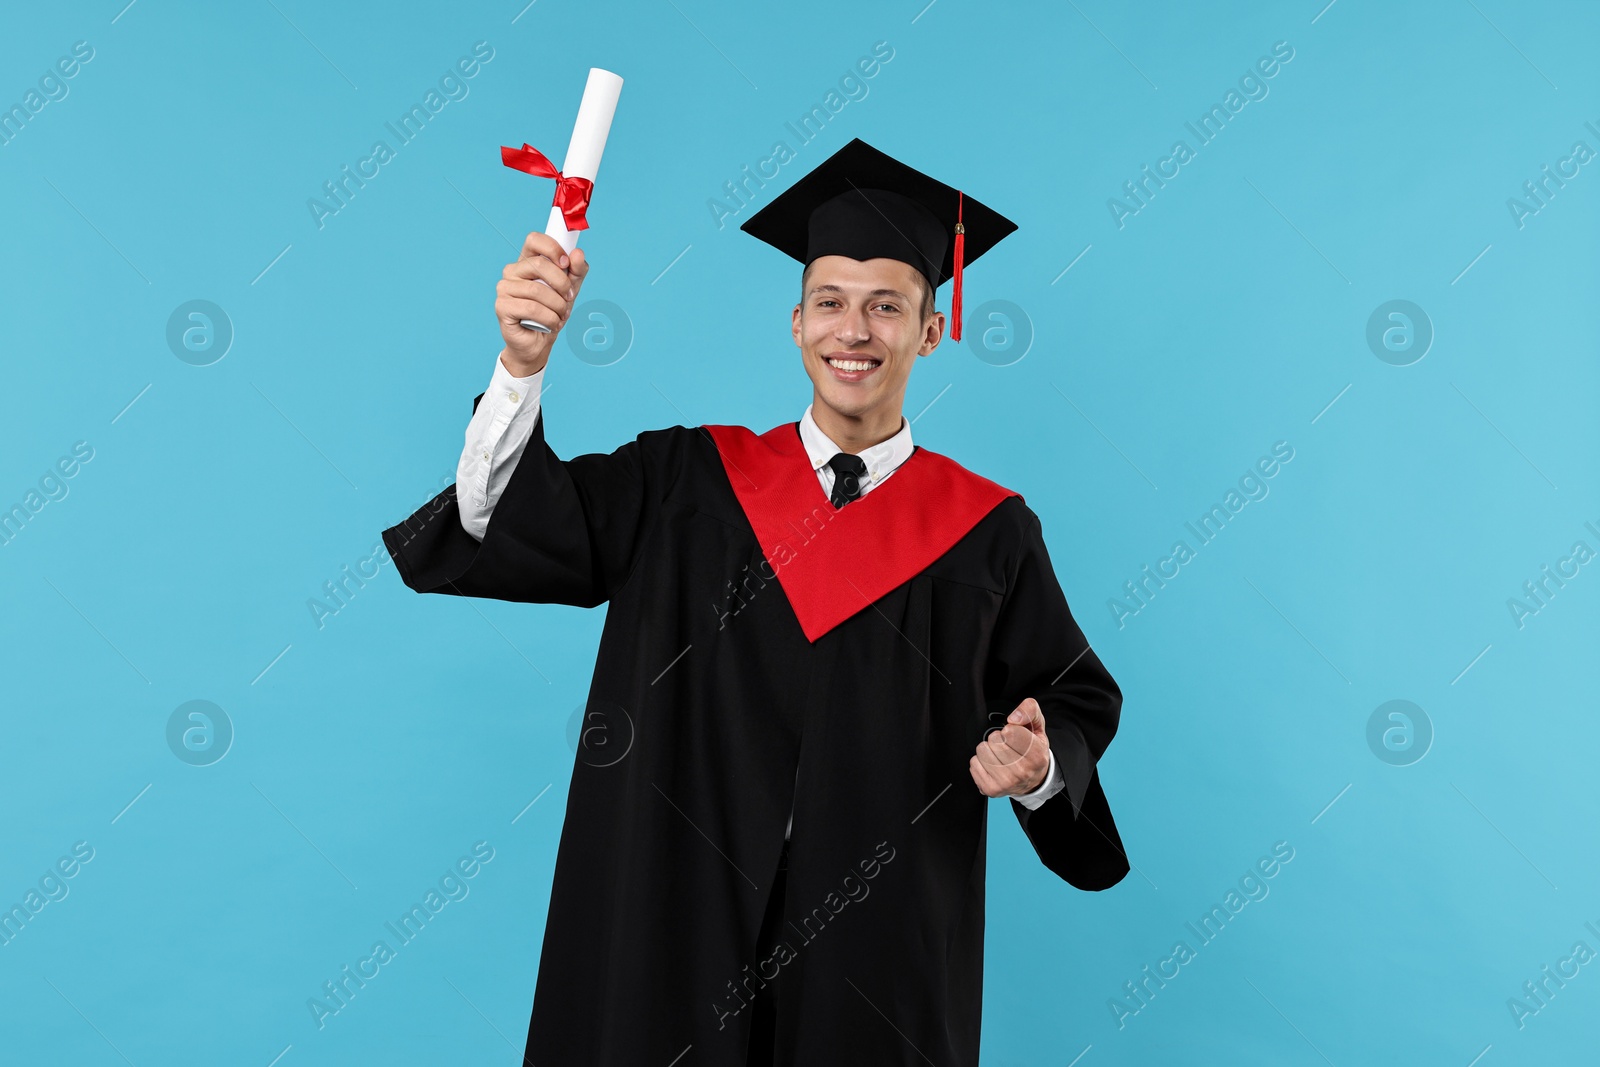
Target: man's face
{"points": [[859, 328]]}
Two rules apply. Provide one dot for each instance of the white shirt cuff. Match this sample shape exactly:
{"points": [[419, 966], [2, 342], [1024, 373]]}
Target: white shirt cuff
{"points": [[1053, 784]]}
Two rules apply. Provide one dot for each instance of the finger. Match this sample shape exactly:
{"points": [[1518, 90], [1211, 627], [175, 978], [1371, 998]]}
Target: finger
{"points": [[511, 310], [538, 268], [1019, 740], [577, 270], [981, 778], [1004, 746], [542, 244], [991, 757], [519, 289], [1010, 776]]}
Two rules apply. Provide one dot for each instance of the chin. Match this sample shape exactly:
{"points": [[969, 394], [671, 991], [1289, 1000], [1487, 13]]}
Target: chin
{"points": [[847, 401]]}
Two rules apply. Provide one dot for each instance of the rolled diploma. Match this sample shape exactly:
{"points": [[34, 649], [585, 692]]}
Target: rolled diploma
{"points": [[583, 152]]}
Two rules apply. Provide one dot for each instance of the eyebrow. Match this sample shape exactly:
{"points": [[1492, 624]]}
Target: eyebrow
{"points": [[815, 289]]}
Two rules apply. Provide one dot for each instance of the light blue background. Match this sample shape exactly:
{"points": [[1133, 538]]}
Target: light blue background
{"points": [[1227, 315]]}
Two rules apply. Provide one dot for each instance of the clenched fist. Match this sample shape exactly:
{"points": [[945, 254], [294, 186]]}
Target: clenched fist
{"points": [[1014, 759], [541, 286]]}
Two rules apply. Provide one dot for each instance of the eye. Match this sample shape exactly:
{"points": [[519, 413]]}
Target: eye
{"points": [[891, 307]]}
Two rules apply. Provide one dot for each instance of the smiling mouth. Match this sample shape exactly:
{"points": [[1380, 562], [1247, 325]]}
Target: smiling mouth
{"points": [[862, 364]]}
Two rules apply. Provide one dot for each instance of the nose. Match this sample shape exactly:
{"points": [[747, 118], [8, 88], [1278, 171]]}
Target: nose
{"points": [[852, 327]]}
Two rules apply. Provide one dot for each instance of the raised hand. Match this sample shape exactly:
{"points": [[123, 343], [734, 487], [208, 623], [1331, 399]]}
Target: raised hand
{"points": [[541, 286]]}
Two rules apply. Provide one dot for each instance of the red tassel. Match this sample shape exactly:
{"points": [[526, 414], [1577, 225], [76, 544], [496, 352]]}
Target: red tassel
{"points": [[955, 292]]}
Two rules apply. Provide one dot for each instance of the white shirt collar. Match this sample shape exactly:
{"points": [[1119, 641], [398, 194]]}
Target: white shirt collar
{"points": [[881, 459]]}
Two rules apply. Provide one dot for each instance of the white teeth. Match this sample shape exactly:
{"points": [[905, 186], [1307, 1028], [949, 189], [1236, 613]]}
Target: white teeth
{"points": [[852, 364]]}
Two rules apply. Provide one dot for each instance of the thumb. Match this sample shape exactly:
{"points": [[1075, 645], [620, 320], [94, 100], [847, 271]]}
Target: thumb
{"points": [[1029, 714]]}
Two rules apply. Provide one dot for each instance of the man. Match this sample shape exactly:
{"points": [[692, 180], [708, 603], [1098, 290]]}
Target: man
{"points": [[825, 648]]}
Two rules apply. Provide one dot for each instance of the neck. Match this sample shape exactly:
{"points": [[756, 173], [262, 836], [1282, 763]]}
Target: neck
{"points": [[856, 433]]}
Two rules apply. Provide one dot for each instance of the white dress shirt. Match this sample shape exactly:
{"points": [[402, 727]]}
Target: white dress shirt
{"points": [[500, 429]]}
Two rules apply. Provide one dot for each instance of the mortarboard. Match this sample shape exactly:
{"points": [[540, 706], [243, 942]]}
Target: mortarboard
{"points": [[862, 203]]}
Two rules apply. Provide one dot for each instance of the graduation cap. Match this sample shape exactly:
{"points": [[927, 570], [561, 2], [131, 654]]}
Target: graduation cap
{"points": [[862, 203]]}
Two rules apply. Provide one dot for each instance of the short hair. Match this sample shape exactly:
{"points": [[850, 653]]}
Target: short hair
{"points": [[927, 290]]}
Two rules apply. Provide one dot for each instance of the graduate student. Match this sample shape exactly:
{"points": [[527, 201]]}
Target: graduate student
{"points": [[828, 647]]}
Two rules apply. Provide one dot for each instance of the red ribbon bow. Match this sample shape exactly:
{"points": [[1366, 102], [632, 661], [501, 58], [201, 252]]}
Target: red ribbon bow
{"points": [[572, 194]]}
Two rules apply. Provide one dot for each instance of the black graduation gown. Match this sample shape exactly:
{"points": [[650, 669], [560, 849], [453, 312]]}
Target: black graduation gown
{"points": [[717, 714]]}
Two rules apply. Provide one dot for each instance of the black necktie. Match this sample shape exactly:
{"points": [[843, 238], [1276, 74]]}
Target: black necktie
{"points": [[848, 471]]}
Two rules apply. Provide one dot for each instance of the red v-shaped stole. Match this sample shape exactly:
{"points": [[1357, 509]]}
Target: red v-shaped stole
{"points": [[834, 562]]}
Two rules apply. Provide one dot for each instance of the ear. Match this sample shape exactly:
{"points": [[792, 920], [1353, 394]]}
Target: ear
{"points": [[932, 334], [794, 326]]}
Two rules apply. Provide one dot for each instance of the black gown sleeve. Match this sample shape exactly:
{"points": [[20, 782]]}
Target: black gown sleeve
{"points": [[563, 531], [1038, 651]]}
